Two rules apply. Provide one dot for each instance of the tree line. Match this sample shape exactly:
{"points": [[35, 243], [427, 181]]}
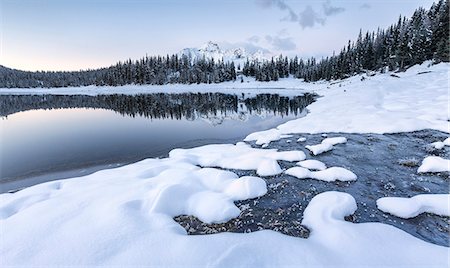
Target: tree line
{"points": [[424, 36]]}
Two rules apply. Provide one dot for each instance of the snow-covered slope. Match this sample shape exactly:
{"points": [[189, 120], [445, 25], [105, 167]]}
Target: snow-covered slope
{"points": [[211, 50], [414, 100]]}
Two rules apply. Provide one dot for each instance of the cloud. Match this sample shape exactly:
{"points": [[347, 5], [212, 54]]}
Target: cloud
{"points": [[254, 39], [309, 18], [280, 4], [365, 6], [281, 43], [330, 10], [306, 18]]}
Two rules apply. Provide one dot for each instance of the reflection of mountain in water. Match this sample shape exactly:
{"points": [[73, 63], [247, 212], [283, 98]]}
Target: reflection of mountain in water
{"points": [[215, 107]]}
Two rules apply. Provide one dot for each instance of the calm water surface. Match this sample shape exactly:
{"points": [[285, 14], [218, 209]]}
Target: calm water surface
{"points": [[49, 137]]}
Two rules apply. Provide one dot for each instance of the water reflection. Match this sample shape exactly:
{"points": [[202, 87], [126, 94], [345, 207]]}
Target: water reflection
{"points": [[162, 106], [43, 135]]}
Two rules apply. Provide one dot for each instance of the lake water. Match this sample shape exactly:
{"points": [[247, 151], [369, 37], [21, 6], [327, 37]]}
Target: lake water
{"points": [[47, 137]]}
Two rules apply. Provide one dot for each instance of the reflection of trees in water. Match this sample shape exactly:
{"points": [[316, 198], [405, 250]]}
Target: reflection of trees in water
{"points": [[161, 105]]}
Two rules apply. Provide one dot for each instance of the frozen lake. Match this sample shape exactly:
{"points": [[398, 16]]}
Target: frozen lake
{"points": [[46, 137]]}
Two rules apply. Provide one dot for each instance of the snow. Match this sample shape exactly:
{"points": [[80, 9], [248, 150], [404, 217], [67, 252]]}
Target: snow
{"points": [[447, 141], [328, 175], [379, 104], [335, 140], [440, 144], [434, 164], [211, 50], [325, 146], [406, 208], [437, 145], [240, 156], [299, 172], [301, 139], [123, 217], [334, 174], [319, 148], [312, 164]]}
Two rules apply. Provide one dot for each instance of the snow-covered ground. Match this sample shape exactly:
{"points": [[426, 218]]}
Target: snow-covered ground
{"points": [[124, 216]]}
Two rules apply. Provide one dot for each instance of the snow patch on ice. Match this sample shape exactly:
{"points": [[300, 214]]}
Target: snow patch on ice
{"points": [[406, 208], [312, 164], [335, 140], [434, 164], [319, 148], [301, 139], [240, 156], [447, 141], [437, 145], [329, 174]]}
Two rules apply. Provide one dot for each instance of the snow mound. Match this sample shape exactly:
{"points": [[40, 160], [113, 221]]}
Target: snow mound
{"points": [[438, 145], [312, 164], [434, 164], [334, 174], [301, 139], [264, 137], [406, 208], [335, 140], [441, 144], [240, 156], [329, 174], [299, 172], [447, 141], [319, 148]]}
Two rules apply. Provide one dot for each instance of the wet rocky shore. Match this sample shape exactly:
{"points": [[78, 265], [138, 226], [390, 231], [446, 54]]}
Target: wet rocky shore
{"points": [[386, 165]]}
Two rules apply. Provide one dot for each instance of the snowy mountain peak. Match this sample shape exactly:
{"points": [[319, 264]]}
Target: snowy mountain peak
{"points": [[210, 47], [212, 50]]}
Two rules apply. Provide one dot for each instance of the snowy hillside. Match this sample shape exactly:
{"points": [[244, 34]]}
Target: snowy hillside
{"points": [[211, 50]]}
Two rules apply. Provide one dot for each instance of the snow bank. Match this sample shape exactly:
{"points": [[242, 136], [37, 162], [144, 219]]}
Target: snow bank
{"points": [[379, 104], [329, 174], [411, 207], [434, 164], [124, 217], [312, 164], [240, 156]]}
